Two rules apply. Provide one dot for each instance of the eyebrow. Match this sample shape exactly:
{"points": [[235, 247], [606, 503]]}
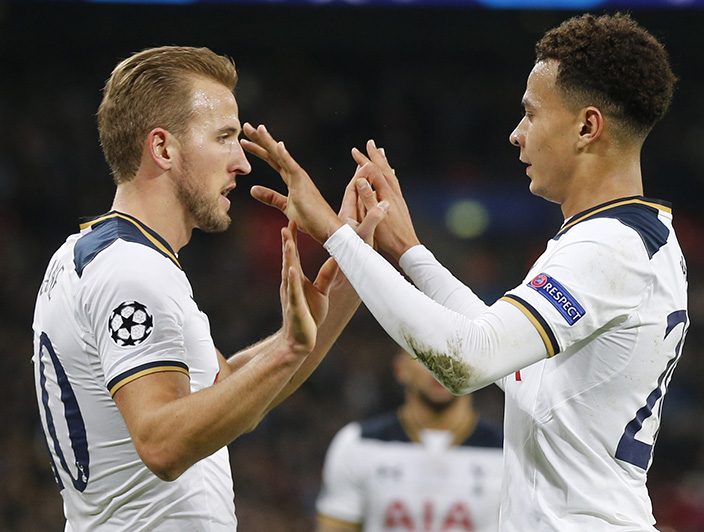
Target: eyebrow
{"points": [[229, 129], [526, 103]]}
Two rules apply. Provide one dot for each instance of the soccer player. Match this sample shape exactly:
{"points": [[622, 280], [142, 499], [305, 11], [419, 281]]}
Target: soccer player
{"points": [[432, 465], [586, 345], [136, 402]]}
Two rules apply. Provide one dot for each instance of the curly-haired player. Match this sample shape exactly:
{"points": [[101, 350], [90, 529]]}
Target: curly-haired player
{"points": [[586, 345]]}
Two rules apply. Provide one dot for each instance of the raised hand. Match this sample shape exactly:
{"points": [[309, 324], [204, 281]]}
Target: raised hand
{"points": [[396, 233], [360, 207], [304, 304], [304, 204]]}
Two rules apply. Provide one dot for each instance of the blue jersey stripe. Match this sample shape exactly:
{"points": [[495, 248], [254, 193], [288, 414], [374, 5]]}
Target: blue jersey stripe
{"points": [[639, 214], [110, 228], [145, 369]]}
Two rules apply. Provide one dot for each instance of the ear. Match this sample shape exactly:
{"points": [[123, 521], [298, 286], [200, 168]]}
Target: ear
{"points": [[162, 147], [591, 126]]}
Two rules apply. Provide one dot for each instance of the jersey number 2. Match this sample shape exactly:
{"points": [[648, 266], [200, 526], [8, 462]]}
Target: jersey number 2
{"points": [[72, 414], [629, 449]]}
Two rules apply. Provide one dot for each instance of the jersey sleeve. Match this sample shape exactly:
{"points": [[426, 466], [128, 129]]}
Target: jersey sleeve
{"points": [[132, 299], [342, 492], [438, 283], [586, 285], [464, 354]]}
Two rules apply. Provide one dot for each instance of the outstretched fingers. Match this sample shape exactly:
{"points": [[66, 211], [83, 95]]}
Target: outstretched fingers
{"points": [[373, 218], [349, 212], [299, 324], [260, 144], [367, 195], [378, 157], [384, 181], [263, 145]]}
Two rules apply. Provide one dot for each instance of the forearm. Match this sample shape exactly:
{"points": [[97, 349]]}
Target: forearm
{"points": [[173, 429], [436, 281], [464, 354], [344, 302]]}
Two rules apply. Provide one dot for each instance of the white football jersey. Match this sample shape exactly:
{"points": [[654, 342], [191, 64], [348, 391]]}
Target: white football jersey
{"points": [[609, 298], [376, 476], [115, 305]]}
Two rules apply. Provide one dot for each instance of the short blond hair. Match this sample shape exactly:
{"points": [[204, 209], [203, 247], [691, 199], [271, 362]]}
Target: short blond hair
{"points": [[153, 88]]}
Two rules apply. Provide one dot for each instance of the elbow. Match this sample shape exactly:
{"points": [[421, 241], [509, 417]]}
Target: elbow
{"points": [[451, 371], [166, 471], [464, 384], [255, 421], [456, 388], [249, 428], [165, 464], [166, 475]]}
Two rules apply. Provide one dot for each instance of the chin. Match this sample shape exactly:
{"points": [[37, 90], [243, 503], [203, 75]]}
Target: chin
{"points": [[438, 403], [215, 224], [541, 192]]}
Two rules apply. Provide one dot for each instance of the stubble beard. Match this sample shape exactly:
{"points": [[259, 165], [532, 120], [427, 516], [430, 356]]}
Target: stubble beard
{"points": [[205, 211], [438, 407]]}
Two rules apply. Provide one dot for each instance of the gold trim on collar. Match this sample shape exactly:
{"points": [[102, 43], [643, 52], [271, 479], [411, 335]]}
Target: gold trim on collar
{"points": [[617, 204], [161, 247]]}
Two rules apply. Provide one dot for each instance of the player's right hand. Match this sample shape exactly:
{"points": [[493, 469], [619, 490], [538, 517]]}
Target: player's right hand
{"points": [[396, 233], [360, 207]]}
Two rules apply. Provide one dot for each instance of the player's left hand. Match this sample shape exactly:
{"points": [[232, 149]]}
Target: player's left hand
{"points": [[304, 204]]}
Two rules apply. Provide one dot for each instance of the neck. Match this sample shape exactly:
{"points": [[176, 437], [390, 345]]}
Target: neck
{"points": [[153, 203], [603, 178], [458, 417]]}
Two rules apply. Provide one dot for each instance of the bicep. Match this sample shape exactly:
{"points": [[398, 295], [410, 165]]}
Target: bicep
{"points": [[140, 401], [585, 286]]}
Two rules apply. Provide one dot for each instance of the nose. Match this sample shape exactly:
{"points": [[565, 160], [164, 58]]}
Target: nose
{"points": [[516, 136], [240, 164]]}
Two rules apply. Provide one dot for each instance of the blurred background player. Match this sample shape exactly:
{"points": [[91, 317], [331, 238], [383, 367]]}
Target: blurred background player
{"points": [[433, 465]]}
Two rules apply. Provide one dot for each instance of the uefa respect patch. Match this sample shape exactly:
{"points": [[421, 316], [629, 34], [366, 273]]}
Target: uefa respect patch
{"points": [[559, 297]]}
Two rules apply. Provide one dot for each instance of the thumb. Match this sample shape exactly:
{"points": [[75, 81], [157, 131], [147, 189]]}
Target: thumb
{"points": [[269, 197], [326, 275], [373, 218]]}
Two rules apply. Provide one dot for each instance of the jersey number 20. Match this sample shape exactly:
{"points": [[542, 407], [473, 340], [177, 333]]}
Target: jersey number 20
{"points": [[629, 449]]}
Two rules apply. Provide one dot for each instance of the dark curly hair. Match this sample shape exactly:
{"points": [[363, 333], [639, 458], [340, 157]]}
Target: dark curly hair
{"points": [[614, 64]]}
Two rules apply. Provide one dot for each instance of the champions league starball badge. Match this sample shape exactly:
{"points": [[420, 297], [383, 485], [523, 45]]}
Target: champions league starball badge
{"points": [[130, 324]]}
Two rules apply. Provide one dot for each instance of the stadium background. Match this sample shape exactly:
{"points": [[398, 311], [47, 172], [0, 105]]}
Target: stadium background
{"points": [[439, 88]]}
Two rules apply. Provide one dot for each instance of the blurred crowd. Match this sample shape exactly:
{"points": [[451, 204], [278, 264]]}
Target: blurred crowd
{"points": [[439, 89]]}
